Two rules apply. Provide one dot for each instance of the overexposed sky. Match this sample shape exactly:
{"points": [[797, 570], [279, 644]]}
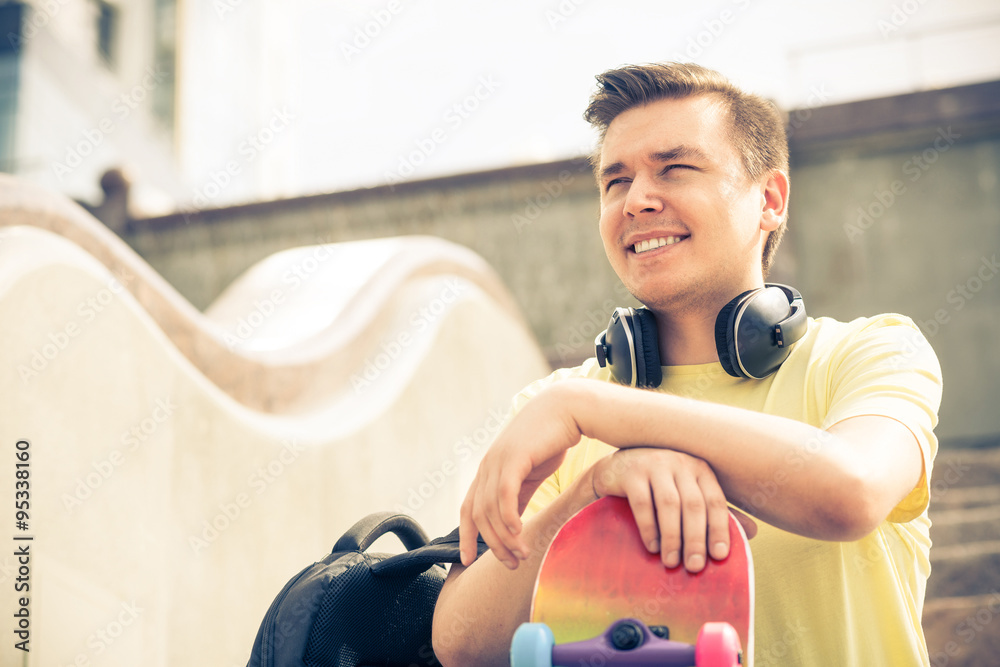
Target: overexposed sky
{"points": [[364, 93]]}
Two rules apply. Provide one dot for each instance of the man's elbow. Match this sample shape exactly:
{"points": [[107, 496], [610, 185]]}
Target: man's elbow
{"points": [[855, 512], [453, 647], [446, 651]]}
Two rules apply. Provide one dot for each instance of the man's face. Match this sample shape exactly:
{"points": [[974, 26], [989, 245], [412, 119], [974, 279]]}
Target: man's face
{"points": [[670, 174]]}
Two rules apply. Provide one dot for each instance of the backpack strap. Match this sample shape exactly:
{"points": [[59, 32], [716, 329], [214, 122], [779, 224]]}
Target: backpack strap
{"points": [[442, 550], [364, 533]]}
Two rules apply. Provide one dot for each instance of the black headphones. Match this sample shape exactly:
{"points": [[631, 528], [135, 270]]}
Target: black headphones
{"points": [[753, 334]]}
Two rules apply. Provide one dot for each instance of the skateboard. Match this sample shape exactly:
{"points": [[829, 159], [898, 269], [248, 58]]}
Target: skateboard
{"points": [[597, 572]]}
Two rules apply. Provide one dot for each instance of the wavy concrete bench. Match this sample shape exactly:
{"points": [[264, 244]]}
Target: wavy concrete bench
{"points": [[183, 465]]}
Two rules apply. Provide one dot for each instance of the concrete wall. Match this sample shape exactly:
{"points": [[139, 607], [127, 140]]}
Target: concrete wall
{"points": [[895, 207], [536, 225], [183, 476], [908, 220]]}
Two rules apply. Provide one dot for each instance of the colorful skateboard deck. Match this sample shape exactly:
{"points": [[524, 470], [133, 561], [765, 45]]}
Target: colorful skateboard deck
{"points": [[597, 571]]}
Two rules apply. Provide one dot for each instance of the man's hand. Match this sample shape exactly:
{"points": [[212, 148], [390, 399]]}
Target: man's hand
{"points": [[677, 502], [529, 449], [675, 497]]}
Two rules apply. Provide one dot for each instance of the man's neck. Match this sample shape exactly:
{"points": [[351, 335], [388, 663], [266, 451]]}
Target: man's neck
{"points": [[687, 339], [687, 334]]}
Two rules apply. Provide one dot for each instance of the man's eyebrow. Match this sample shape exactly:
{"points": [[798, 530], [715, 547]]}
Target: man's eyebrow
{"points": [[612, 170], [681, 152]]}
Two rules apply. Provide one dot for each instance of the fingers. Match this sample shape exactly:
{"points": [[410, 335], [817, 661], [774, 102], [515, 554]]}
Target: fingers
{"points": [[468, 532], [668, 500], [640, 500], [678, 505], [717, 515], [490, 509], [467, 535], [694, 521]]}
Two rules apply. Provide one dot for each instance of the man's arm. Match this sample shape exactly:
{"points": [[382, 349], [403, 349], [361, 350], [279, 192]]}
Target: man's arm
{"points": [[837, 484], [481, 605]]}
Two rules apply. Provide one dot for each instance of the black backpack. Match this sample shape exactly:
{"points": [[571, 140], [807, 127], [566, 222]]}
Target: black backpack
{"points": [[359, 609]]}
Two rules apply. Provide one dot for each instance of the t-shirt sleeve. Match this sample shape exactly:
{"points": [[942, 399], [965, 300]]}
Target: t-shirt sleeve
{"points": [[889, 369]]}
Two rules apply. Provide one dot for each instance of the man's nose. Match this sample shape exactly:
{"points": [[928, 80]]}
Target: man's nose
{"points": [[642, 197]]}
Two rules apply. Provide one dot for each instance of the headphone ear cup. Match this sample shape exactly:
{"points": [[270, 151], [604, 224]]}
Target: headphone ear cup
{"points": [[725, 335], [651, 374]]}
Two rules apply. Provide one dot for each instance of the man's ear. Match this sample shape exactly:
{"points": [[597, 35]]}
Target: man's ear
{"points": [[774, 200]]}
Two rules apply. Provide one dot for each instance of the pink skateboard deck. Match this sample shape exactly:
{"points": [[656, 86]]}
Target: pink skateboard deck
{"points": [[597, 570]]}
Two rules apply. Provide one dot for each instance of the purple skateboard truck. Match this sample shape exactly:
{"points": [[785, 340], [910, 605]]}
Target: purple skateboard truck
{"points": [[627, 642]]}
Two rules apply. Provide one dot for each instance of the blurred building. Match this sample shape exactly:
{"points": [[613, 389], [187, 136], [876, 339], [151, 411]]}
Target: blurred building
{"points": [[87, 86]]}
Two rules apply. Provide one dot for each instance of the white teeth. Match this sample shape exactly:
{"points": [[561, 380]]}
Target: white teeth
{"points": [[653, 244]]}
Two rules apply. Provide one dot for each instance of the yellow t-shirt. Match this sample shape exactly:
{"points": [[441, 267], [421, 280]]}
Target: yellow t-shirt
{"points": [[818, 602]]}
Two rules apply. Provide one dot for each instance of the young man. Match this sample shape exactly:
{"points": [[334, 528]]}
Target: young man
{"points": [[831, 454]]}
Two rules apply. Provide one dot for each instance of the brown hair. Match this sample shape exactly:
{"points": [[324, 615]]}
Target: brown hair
{"points": [[757, 128]]}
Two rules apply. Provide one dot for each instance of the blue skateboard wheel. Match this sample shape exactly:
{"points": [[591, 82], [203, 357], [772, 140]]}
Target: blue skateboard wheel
{"points": [[532, 646]]}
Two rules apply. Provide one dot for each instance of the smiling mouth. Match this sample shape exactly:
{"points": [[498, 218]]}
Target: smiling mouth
{"points": [[653, 244]]}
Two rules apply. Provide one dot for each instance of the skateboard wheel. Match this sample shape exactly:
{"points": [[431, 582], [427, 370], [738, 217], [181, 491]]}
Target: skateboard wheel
{"points": [[532, 646], [718, 645]]}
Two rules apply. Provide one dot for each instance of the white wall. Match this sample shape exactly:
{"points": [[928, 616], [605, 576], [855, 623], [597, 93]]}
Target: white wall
{"points": [[287, 97]]}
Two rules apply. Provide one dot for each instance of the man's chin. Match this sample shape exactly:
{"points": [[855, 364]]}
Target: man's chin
{"points": [[671, 299]]}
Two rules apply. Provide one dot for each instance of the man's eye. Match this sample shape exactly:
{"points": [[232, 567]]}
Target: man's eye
{"points": [[614, 181]]}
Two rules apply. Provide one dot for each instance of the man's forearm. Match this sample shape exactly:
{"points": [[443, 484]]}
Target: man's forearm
{"points": [[822, 484], [482, 605]]}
